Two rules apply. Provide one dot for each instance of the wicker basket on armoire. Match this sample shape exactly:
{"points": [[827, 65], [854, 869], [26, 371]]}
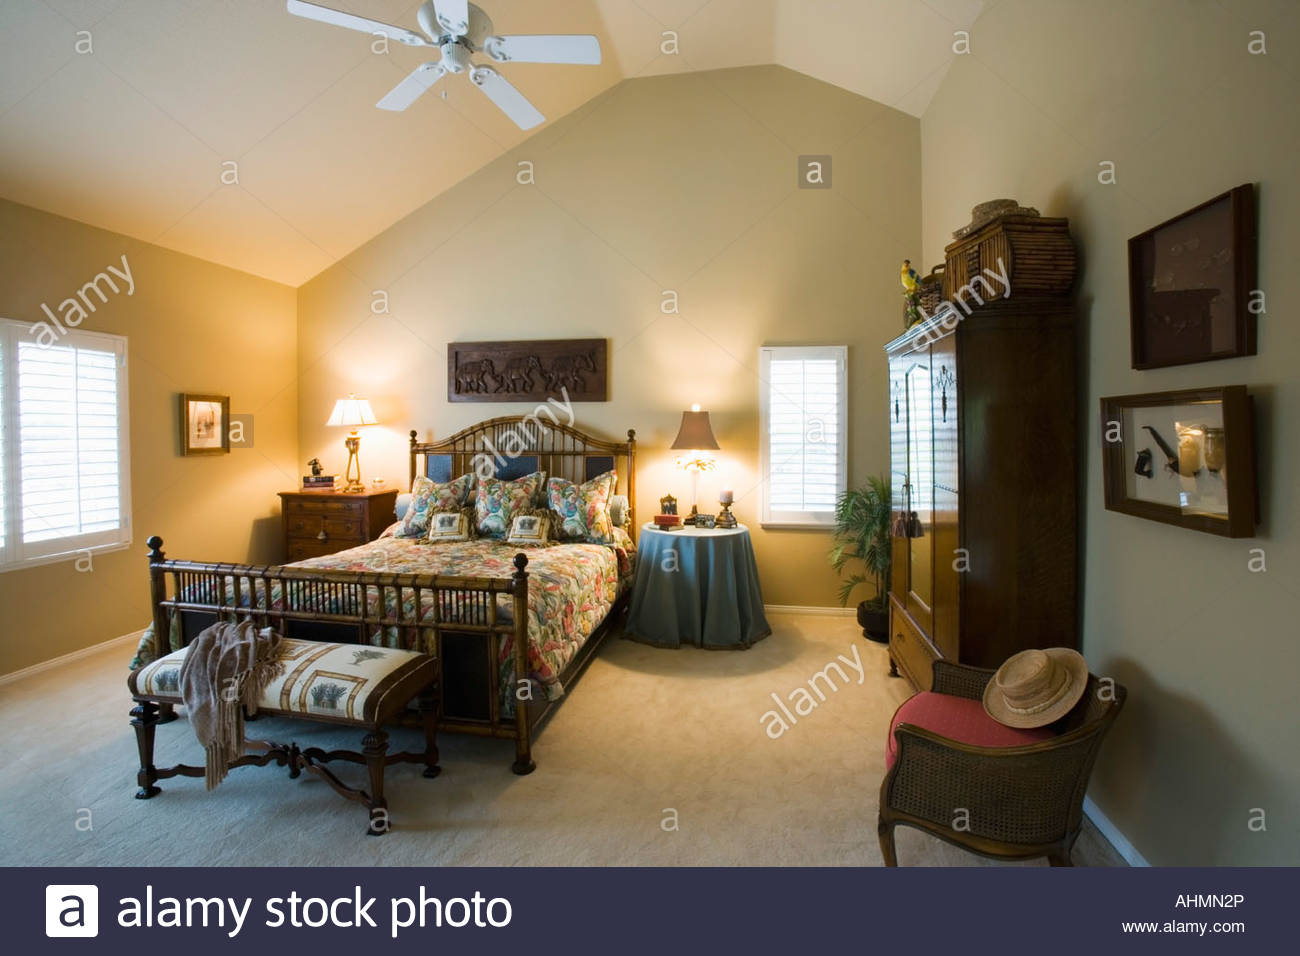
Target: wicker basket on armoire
{"points": [[984, 453]]}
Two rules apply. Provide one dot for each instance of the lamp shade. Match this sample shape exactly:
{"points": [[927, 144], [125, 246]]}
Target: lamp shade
{"points": [[696, 432], [351, 412]]}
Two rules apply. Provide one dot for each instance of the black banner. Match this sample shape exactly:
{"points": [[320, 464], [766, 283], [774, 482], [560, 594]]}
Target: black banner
{"points": [[582, 910]]}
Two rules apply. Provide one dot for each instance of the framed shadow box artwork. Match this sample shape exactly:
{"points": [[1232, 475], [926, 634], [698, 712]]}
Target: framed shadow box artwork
{"points": [[205, 424], [1190, 284], [1184, 458]]}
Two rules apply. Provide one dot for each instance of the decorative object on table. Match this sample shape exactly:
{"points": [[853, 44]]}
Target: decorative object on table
{"points": [[726, 497], [1206, 481], [668, 505], [863, 534], [911, 278], [1014, 256], [460, 31], [317, 482], [315, 467], [567, 370], [1191, 281], [667, 522], [703, 520], [352, 412], [990, 211], [695, 437], [205, 424]]}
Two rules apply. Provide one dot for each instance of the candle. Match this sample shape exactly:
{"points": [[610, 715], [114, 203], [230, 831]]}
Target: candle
{"points": [[726, 496]]}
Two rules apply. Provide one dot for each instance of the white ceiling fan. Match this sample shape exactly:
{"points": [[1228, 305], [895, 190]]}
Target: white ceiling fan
{"points": [[460, 29]]}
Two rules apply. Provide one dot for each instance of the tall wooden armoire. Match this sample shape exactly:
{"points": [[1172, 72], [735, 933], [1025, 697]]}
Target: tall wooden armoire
{"points": [[984, 456]]}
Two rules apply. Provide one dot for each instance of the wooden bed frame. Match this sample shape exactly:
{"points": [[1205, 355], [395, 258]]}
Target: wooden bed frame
{"points": [[331, 605]]}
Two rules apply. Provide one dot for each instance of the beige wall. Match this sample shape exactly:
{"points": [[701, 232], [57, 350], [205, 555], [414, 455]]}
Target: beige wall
{"points": [[683, 183], [191, 326], [1207, 648]]}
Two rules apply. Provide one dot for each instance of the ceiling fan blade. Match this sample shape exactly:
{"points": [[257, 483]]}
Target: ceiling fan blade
{"points": [[338, 18], [511, 102], [412, 88], [453, 15], [544, 49]]}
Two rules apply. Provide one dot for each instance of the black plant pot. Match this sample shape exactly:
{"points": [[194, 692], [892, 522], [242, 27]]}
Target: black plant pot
{"points": [[874, 622]]}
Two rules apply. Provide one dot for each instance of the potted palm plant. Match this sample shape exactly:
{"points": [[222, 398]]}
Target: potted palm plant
{"points": [[862, 521]]}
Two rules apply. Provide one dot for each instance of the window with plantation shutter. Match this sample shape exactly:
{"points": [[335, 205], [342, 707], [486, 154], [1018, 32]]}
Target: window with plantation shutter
{"points": [[63, 446], [803, 428]]}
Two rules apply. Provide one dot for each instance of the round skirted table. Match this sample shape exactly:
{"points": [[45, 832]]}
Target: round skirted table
{"points": [[696, 586]]}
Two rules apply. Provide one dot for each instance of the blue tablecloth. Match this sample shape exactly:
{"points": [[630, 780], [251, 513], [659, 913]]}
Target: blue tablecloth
{"points": [[696, 586]]}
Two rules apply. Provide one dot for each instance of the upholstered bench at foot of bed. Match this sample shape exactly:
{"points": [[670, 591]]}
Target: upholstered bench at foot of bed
{"points": [[348, 684]]}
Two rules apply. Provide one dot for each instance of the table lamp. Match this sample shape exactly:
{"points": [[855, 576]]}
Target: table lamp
{"points": [[352, 412], [696, 436]]}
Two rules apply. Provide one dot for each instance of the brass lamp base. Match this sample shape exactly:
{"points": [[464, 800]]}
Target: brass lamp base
{"points": [[726, 519], [354, 485]]}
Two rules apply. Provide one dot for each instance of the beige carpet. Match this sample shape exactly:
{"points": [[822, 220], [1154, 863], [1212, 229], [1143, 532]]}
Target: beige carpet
{"points": [[646, 738]]}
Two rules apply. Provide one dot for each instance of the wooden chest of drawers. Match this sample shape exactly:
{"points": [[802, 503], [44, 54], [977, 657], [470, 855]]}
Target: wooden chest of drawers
{"points": [[322, 522]]}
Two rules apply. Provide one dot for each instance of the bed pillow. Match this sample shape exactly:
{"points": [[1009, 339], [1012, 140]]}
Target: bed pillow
{"points": [[429, 497], [530, 530], [583, 510], [445, 526], [620, 511], [497, 502]]}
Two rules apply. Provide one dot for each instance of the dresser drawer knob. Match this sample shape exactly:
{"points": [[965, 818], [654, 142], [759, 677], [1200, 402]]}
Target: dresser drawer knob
{"points": [[322, 536]]}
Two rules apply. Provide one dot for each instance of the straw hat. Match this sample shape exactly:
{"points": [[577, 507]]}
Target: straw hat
{"points": [[1034, 688]]}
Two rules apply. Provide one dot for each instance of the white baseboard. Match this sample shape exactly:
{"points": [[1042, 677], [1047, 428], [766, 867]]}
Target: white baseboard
{"points": [[1111, 833], [808, 609], [26, 672]]}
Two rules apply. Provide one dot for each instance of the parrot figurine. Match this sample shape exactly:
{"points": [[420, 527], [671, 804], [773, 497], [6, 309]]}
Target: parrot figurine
{"points": [[911, 278]]}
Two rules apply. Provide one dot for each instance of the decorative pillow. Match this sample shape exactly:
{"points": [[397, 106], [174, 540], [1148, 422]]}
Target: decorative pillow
{"points": [[623, 540], [530, 529], [584, 509], [429, 496], [449, 526], [497, 502], [620, 512]]}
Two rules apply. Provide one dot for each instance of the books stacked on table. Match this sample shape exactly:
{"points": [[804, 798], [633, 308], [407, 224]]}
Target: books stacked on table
{"points": [[317, 482], [667, 522]]}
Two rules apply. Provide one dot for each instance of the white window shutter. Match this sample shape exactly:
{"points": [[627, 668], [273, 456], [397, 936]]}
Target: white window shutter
{"points": [[64, 447], [803, 433]]}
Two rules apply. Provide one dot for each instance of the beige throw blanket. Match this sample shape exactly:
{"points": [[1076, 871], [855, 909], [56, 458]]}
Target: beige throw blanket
{"points": [[225, 671]]}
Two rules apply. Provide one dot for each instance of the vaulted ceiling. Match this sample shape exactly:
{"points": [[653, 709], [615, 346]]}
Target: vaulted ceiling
{"points": [[138, 115]]}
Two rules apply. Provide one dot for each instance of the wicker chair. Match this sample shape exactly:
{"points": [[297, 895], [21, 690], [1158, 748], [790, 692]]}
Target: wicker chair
{"points": [[1021, 802]]}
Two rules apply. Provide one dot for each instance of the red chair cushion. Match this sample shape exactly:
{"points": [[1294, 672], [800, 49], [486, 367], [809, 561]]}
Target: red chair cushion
{"points": [[958, 719]]}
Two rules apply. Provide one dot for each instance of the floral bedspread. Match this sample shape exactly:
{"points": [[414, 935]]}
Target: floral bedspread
{"points": [[571, 588]]}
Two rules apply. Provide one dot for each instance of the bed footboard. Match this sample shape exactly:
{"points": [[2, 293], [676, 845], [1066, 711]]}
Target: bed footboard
{"points": [[410, 611]]}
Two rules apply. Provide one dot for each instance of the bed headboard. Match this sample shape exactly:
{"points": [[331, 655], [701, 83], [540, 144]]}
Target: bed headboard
{"points": [[517, 445]]}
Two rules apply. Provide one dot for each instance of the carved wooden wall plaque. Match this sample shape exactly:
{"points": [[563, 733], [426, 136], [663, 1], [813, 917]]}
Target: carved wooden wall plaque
{"points": [[527, 371]]}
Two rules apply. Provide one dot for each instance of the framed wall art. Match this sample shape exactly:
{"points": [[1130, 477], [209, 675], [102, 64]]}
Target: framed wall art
{"points": [[205, 424], [1190, 284], [1184, 458], [527, 371]]}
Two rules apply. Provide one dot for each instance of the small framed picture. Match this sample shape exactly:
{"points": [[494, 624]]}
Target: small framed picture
{"points": [[1192, 284], [205, 424], [668, 505], [1184, 458], [705, 521]]}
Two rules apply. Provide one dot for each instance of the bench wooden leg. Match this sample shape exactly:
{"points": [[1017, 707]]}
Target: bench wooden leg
{"points": [[375, 748], [166, 713], [428, 705], [144, 718]]}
